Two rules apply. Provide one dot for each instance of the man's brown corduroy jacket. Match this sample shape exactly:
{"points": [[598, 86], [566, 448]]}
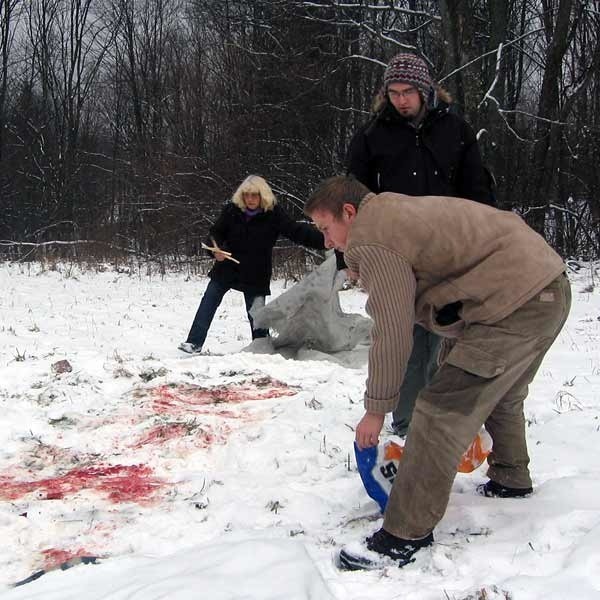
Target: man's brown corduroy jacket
{"points": [[415, 255]]}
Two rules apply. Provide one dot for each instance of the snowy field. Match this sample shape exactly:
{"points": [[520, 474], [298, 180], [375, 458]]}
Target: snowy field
{"points": [[232, 476]]}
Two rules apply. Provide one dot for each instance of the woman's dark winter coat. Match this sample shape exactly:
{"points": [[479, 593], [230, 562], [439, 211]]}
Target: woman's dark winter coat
{"points": [[440, 157], [250, 240]]}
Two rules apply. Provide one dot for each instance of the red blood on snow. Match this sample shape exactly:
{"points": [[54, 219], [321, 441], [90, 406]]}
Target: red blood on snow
{"points": [[196, 399], [162, 433], [54, 557], [201, 436], [120, 483]]}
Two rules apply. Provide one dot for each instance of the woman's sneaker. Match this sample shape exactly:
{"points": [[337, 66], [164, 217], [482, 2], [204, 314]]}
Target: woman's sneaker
{"points": [[190, 348], [378, 549], [491, 489]]}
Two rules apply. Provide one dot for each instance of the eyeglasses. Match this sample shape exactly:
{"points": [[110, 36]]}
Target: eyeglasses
{"points": [[407, 93]]}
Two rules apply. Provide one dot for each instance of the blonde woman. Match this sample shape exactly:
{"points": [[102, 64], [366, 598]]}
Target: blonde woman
{"points": [[247, 229]]}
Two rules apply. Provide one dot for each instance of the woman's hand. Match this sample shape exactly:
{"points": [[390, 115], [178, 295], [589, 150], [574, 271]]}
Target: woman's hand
{"points": [[368, 430]]}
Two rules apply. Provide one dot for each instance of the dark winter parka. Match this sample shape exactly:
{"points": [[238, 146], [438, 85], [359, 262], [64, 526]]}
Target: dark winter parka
{"points": [[439, 157], [250, 240]]}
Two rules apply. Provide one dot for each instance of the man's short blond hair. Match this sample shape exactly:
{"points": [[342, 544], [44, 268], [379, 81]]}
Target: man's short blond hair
{"points": [[333, 193]]}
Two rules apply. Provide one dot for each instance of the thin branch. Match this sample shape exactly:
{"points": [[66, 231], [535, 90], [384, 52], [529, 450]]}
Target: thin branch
{"points": [[36, 245], [481, 56], [496, 74]]}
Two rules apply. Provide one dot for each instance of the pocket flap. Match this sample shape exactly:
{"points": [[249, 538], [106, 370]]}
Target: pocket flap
{"points": [[476, 361]]}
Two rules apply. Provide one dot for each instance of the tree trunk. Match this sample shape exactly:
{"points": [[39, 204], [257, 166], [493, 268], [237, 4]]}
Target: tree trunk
{"points": [[545, 154]]}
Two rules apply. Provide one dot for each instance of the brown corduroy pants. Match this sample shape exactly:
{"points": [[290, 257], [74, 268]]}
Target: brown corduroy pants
{"points": [[483, 380]]}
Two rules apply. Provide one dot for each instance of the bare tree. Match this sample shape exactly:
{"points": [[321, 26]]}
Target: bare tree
{"points": [[8, 19], [130, 121], [68, 43]]}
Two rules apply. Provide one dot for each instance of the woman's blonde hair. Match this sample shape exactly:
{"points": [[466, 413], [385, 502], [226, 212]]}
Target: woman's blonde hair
{"points": [[253, 184]]}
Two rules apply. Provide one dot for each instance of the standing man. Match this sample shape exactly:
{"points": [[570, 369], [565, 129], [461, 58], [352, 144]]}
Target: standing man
{"points": [[415, 145], [468, 272]]}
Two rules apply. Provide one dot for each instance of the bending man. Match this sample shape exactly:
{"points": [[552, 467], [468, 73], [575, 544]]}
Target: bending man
{"points": [[482, 279]]}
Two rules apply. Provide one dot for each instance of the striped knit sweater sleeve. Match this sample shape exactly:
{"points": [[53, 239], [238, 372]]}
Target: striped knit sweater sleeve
{"points": [[390, 282]]}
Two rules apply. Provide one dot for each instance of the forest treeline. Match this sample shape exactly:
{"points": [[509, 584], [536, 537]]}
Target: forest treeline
{"points": [[125, 124]]}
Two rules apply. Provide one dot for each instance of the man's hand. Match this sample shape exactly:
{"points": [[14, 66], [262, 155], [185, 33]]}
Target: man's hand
{"points": [[351, 275], [368, 430]]}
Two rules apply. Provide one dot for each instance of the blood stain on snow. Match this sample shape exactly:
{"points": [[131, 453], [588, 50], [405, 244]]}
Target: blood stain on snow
{"points": [[54, 557], [196, 435], [196, 399], [121, 483]]}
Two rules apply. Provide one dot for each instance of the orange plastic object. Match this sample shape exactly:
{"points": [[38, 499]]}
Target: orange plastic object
{"points": [[473, 457]]}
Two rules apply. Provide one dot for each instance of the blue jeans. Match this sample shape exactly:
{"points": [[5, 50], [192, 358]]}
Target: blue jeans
{"points": [[208, 307], [420, 369]]}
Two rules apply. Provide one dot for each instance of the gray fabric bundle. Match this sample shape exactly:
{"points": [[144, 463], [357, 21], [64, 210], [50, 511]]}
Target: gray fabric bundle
{"points": [[309, 315]]}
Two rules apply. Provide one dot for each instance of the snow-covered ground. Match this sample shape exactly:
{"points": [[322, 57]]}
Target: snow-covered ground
{"points": [[232, 475]]}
